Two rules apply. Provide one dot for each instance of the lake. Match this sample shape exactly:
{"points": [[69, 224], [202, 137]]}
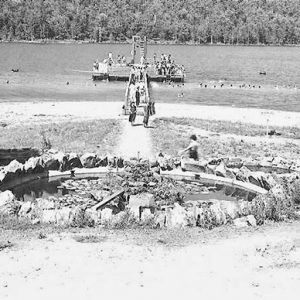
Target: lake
{"points": [[216, 75]]}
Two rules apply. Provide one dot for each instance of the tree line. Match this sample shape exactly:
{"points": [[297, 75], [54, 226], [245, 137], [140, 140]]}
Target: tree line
{"points": [[197, 21]]}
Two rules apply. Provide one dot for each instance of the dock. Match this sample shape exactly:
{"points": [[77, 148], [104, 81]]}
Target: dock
{"points": [[121, 73]]}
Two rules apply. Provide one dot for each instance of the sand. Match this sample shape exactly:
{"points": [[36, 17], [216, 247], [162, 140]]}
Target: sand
{"points": [[245, 265], [41, 111]]}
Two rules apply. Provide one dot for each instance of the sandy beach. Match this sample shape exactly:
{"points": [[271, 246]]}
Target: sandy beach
{"points": [[32, 112]]}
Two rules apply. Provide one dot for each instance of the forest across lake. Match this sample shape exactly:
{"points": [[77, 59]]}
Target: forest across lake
{"points": [[275, 22]]}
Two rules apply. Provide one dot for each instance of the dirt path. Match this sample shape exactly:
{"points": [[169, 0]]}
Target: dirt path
{"points": [[135, 140], [260, 264]]}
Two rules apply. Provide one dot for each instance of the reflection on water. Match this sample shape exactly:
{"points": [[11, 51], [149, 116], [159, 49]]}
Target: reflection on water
{"points": [[223, 192], [44, 188]]}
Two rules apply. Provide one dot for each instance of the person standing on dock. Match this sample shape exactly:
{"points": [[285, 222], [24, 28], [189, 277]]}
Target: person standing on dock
{"points": [[137, 96], [132, 114], [146, 114]]}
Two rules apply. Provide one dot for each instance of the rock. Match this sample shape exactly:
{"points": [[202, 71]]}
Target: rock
{"points": [[49, 162], [120, 162], [48, 216], [8, 203], [6, 197], [33, 165], [63, 216], [159, 219], [2, 175], [44, 204], [221, 170], [62, 159], [140, 200], [146, 214], [102, 161], [243, 174], [234, 162], [244, 207], [230, 208], [74, 161], [256, 178], [106, 216], [94, 215], [14, 167], [268, 181], [193, 165], [191, 216], [88, 160], [240, 222], [176, 217], [245, 221], [220, 216], [251, 220], [153, 163], [25, 209]]}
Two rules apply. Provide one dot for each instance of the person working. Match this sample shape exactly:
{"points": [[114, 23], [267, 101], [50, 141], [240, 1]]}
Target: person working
{"points": [[192, 148]]}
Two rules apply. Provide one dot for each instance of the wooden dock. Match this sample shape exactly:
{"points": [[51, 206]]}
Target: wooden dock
{"points": [[121, 73]]}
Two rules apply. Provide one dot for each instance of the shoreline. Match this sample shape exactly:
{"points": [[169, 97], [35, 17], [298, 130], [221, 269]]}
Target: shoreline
{"points": [[160, 43], [15, 112]]}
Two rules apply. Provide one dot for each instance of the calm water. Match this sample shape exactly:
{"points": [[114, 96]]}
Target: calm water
{"points": [[45, 69], [44, 188]]}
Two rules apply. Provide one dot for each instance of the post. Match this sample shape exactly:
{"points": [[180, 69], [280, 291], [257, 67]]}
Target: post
{"points": [[267, 133]]}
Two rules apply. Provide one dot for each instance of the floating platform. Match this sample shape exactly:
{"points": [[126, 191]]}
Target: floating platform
{"points": [[123, 77]]}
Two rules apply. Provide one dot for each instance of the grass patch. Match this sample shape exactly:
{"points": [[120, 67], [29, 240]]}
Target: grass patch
{"points": [[89, 239], [237, 128], [97, 136], [4, 245], [172, 135]]}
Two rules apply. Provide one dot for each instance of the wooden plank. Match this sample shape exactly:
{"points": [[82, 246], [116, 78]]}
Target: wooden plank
{"points": [[108, 199]]}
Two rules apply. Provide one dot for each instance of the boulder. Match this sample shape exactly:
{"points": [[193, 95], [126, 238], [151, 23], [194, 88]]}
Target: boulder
{"points": [[159, 219], [218, 212], [49, 162], [88, 160], [44, 204], [176, 217], [14, 167], [33, 165], [74, 161], [244, 207], [63, 160], [6, 197], [94, 215], [106, 216], [120, 162], [146, 215], [140, 200], [251, 220], [102, 161], [243, 174], [234, 162], [221, 170], [2, 175], [63, 216], [230, 208], [25, 209], [48, 216], [8, 203], [240, 222], [256, 178], [245, 221]]}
